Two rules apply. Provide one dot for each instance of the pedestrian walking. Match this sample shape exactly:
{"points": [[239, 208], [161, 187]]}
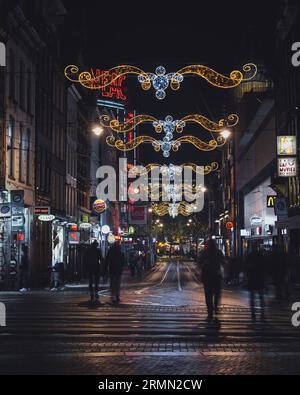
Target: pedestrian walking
{"points": [[24, 269], [255, 267], [280, 268], [211, 262], [115, 263], [93, 263], [58, 271]]}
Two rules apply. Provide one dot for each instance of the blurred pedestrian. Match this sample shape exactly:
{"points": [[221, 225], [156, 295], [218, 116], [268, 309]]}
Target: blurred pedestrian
{"points": [[93, 262], [115, 263], [280, 269], [256, 270], [24, 270], [211, 261], [58, 271]]}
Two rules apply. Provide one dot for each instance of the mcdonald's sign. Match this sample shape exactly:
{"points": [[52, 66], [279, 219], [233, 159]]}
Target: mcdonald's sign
{"points": [[271, 201]]}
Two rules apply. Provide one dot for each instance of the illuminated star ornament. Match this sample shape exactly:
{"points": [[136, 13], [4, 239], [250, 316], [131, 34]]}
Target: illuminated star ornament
{"points": [[160, 80]]}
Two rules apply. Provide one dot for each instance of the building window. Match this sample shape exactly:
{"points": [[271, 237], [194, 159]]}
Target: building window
{"points": [[28, 156], [29, 92], [10, 146], [21, 154], [12, 75], [22, 85]]}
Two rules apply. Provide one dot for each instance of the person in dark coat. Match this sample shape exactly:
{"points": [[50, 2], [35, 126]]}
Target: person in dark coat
{"points": [[255, 266], [115, 263], [280, 266], [93, 260], [211, 262], [24, 269]]}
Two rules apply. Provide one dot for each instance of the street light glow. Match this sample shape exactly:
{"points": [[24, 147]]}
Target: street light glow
{"points": [[98, 130], [226, 133]]}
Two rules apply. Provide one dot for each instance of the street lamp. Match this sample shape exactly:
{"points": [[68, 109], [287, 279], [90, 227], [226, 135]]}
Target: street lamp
{"points": [[190, 220], [226, 133], [98, 130]]}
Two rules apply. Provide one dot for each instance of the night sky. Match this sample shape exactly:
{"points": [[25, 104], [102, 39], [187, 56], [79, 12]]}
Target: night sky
{"points": [[220, 34]]}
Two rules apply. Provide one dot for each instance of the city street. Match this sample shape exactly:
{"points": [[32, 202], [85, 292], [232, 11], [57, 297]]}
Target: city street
{"points": [[159, 328]]}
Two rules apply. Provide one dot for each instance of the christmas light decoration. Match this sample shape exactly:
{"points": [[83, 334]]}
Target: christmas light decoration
{"points": [[168, 125], [173, 209], [159, 80], [203, 169], [166, 145]]}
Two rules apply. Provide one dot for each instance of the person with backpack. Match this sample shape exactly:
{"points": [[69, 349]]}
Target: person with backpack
{"points": [[211, 262]]}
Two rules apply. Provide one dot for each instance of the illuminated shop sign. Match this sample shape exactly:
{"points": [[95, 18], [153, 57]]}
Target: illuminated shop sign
{"points": [[286, 145], [105, 229], [287, 167], [99, 206], [111, 238], [271, 201], [73, 237], [41, 210], [46, 218], [255, 220], [113, 90]]}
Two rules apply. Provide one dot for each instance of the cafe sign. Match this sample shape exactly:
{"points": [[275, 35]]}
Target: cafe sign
{"points": [[287, 167]]}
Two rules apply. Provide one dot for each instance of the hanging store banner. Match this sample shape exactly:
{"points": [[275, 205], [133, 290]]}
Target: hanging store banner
{"points": [[286, 145], [17, 198], [73, 237], [5, 210], [287, 167]]}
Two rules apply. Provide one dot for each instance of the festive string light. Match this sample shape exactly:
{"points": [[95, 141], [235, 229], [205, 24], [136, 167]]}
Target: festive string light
{"points": [[173, 209], [160, 81], [166, 146], [169, 126], [200, 169], [123, 127]]}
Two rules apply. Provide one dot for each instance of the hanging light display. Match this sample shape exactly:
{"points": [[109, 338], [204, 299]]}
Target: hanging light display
{"points": [[166, 145], [173, 209], [169, 125], [177, 169], [160, 80]]}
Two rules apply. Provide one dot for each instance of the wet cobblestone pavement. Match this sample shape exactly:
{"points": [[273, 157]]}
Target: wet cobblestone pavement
{"points": [[159, 328]]}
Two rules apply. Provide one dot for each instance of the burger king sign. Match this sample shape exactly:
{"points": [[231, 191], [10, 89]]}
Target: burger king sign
{"points": [[99, 206]]}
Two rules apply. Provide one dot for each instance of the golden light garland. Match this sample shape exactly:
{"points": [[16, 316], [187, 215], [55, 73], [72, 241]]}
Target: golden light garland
{"points": [[123, 127], [158, 145], [183, 208], [215, 78], [90, 81], [160, 80], [195, 168]]}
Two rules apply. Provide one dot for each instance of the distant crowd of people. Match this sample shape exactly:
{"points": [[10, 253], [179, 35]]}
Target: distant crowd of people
{"points": [[257, 270]]}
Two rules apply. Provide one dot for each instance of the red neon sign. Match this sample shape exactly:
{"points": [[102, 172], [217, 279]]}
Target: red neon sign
{"points": [[112, 91]]}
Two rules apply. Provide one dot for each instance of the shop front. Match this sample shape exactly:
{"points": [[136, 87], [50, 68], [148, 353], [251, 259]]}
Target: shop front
{"points": [[259, 219]]}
